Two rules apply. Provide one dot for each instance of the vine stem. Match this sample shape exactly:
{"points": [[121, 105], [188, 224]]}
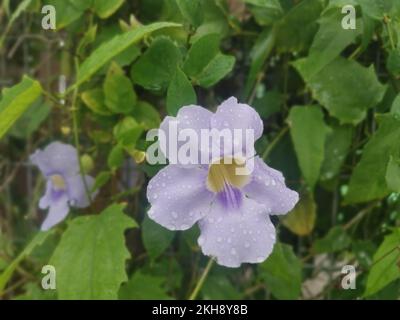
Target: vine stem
{"points": [[274, 142], [75, 129], [203, 277]]}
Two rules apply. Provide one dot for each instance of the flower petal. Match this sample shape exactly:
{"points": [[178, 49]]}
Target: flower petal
{"points": [[268, 187], [188, 117], [57, 158], [57, 213], [178, 197], [45, 201], [233, 115], [236, 237], [77, 194]]}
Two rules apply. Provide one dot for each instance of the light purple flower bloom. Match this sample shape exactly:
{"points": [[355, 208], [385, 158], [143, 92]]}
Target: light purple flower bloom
{"points": [[65, 187], [233, 212]]}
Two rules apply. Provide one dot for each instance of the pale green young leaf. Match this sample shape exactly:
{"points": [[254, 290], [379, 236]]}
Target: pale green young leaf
{"points": [[301, 220]]}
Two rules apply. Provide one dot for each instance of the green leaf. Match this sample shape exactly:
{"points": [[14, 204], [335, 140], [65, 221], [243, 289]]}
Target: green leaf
{"points": [[395, 110], [205, 64], [101, 179], [269, 104], [304, 122], [15, 101], [340, 87], [301, 220], [115, 46], [335, 240], [337, 146], [330, 40], [393, 174], [368, 180], [116, 157], [214, 20], [376, 8], [180, 93], [90, 258], [127, 131], [192, 11], [156, 239], [36, 241], [94, 100], [31, 120], [393, 62], [143, 287], [118, 91], [106, 8], [298, 27], [68, 11], [266, 12], [385, 268], [146, 115], [218, 287], [154, 73], [282, 272], [22, 6], [259, 54]]}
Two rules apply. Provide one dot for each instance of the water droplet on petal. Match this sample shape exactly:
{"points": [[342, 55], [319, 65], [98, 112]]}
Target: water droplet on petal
{"points": [[247, 245], [233, 251], [229, 240], [174, 215], [219, 239]]}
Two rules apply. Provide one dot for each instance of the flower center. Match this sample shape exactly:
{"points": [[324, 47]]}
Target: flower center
{"points": [[226, 173], [58, 182]]}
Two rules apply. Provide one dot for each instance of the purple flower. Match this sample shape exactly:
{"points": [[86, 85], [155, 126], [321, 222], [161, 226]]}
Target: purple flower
{"points": [[65, 187], [233, 211]]}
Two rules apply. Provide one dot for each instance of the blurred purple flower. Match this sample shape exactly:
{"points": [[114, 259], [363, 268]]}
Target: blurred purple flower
{"points": [[232, 211], [65, 187]]}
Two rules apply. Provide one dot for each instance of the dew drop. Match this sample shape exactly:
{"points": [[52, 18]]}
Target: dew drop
{"points": [[247, 245], [233, 251], [219, 239], [174, 215]]}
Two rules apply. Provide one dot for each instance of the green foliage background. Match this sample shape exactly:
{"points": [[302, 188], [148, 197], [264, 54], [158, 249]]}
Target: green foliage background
{"points": [[330, 102]]}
